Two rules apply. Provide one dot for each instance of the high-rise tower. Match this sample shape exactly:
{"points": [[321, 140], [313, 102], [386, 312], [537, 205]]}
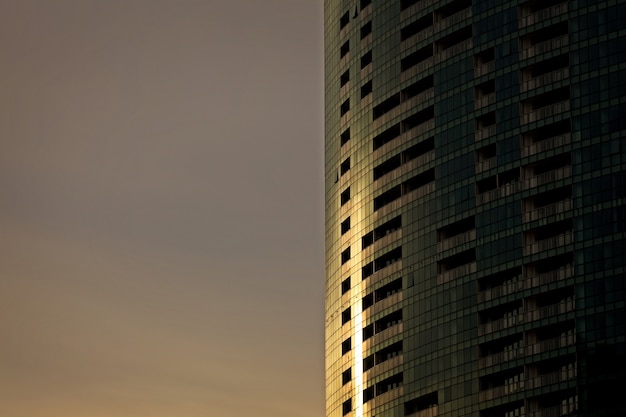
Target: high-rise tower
{"points": [[475, 207]]}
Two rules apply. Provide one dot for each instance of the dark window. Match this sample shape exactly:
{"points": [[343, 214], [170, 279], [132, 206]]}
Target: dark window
{"points": [[454, 39], [421, 148], [345, 107], [365, 3], [367, 240], [485, 153], [389, 383], [382, 324], [421, 403], [381, 231], [367, 301], [345, 166], [418, 181], [366, 59], [346, 376], [368, 332], [345, 316], [418, 87], [345, 19], [345, 285], [345, 196], [418, 118], [345, 77], [366, 89], [456, 228], [386, 106], [383, 292], [345, 137], [347, 406], [388, 258], [405, 4], [345, 225], [387, 136], [387, 166], [484, 57], [416, 27], [345, 48], [366, 29], [387, 197], [388, 353], [486, 120], [456, 261], [345, 256], [346, 345], [416, 57], [388, 290], [367, 270]]}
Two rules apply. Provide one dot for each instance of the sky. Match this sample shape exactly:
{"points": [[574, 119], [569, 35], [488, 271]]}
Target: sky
{"points": [[161, 208]]}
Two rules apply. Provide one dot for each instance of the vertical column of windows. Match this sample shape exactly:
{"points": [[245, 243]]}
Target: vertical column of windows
{"points": [[509, 321]]}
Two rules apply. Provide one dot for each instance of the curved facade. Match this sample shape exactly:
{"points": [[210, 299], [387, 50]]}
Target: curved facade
{"points": [[475, 216]]}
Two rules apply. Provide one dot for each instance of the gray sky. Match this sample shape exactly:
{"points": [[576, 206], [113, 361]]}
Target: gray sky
{"points": [[161, 209]]}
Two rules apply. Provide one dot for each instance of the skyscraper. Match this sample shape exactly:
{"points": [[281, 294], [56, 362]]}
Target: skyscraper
{"points": [[475, 207]]}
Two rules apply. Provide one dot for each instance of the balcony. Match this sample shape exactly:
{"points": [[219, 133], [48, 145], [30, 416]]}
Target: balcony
{"points": [[418, 192], [384, 398], [456, 273], [386, 240], [484, 101], [418, 162], [404, 107], [483, 69], [551, 378], [556, 411], [405, 168], [500, 391], [552, 344], [388, 333], [546, 144], [457, 240], [417, 69], [548, 177], [484, 133], [502, 191], [500, 324], [545, 79], [413, 9], [415, 39], [500, 357], [428, 412], [551, 276], [454, 50], [564, 306], [404, 138], [383, 367], [385, 303], [545, 112], [485, 165], [549, 210], [501, 290], [541, 15], [451, 20], [549, 243], [543, 47], [385, 272]]}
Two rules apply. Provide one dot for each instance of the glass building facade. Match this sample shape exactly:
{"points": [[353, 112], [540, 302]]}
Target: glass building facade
{"points": [[475, 208]]}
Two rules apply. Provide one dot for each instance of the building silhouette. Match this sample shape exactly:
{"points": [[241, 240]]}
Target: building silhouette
{"points": [[475, 208]]}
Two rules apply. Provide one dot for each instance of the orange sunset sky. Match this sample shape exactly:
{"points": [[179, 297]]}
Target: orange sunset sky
{"points": [[161, 210]]}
